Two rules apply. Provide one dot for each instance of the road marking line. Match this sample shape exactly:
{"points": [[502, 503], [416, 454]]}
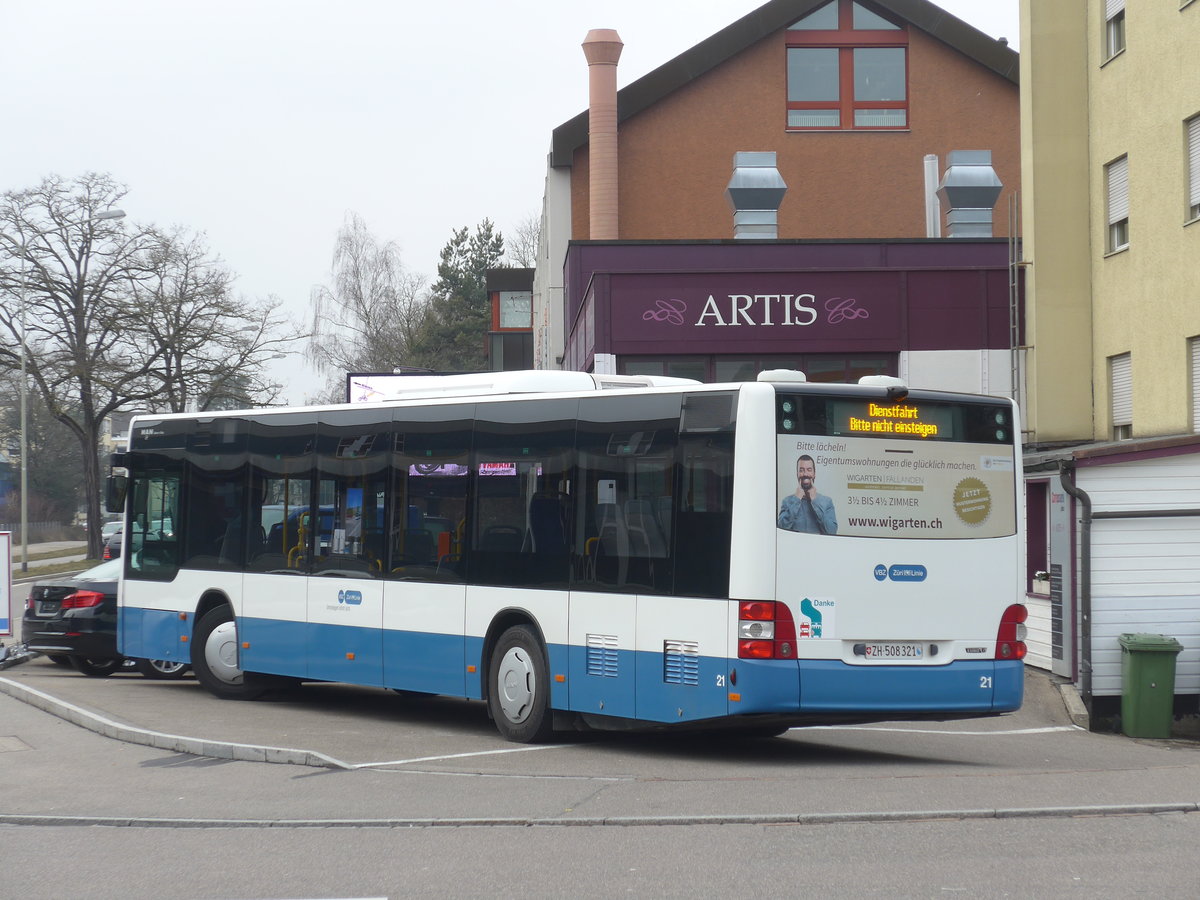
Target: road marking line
{"points": [[1046, 730], [421, 759]]}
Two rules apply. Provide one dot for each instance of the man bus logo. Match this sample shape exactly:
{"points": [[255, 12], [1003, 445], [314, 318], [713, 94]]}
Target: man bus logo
{"points": [[350, 598]]}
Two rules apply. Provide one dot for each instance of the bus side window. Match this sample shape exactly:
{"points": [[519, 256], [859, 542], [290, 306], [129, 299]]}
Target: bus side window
{"points": [[704, 525]]}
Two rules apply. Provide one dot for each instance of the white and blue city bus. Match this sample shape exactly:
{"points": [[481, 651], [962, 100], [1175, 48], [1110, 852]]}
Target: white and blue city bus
{"points": [[592, 551]]}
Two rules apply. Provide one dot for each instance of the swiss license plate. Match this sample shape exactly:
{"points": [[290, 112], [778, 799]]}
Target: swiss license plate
{"points": [[895, 650], [47, 607]]}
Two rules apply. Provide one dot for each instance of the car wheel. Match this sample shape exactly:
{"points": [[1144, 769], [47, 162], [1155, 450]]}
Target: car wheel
{"points": [[215, 657], [96, 668], [59, 659], [161, 668], [519, 687]]}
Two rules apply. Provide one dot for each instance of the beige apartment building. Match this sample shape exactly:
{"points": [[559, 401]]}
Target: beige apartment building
{"points": [[1110, 145]]}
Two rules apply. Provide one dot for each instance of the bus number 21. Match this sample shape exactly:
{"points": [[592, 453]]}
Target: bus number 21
{"points": [[985, 682]]}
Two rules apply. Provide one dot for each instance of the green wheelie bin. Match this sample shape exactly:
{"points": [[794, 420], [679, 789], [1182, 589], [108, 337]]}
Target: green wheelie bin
{"points": [[1147, 684]]}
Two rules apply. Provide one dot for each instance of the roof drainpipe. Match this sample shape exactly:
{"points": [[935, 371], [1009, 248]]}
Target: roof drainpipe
{"points": [[969, 191], [933, 212], [602, 48], [1066, 473], [755, 193]]}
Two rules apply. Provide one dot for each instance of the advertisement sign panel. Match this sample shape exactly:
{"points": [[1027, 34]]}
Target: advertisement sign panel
{"points": [[898, 470]]}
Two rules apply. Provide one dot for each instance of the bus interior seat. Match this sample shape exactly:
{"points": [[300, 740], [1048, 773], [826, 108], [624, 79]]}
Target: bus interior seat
{"points": [[547, 523], [501, 539], [418, 546], [645, 536]]}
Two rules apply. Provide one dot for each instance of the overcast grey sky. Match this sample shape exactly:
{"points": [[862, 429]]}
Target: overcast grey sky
{"points": [[263, 122]]}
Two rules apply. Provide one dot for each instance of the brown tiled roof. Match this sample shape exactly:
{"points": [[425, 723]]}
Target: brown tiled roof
{"points": [[763, 22]]}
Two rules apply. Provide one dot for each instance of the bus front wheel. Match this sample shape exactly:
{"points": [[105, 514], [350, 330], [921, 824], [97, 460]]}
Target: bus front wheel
{"points": [[215, 657], [519, 687]]}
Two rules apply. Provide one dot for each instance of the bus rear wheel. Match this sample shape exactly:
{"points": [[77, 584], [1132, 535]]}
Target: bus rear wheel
{"points": [[519, 687], [215, 657], [162, 668]]}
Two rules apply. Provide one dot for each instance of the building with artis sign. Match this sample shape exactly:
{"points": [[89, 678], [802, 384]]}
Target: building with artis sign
{"points": [[823, 185]]}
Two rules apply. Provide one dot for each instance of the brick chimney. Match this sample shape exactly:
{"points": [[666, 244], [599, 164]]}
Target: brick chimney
{"points": [[602, 47]]}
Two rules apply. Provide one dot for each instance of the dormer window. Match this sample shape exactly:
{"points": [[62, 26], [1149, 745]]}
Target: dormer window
{"points": [[847, 69]]}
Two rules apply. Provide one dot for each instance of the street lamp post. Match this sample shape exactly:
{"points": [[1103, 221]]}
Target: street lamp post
{"points": [[100, 216]]}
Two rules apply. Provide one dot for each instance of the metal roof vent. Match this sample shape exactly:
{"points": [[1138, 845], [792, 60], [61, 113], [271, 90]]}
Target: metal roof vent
{"points": [[755, 192], [969, 191]]}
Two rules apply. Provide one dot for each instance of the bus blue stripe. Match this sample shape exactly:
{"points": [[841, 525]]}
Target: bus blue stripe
{"points": [[640, 685]]}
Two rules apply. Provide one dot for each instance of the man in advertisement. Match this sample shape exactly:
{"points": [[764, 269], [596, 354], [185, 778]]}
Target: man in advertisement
{"points": [[806, 510]]}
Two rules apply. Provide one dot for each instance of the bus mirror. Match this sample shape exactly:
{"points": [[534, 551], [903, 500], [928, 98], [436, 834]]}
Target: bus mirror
{"points": [[114, 493]]}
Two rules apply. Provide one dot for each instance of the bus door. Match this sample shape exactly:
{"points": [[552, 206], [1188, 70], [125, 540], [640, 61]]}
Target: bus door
{"points": [[343, 542], [273, 618], [425, 561]]}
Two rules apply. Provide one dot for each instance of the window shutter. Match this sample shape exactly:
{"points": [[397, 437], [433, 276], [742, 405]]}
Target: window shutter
{"points": [[1112, 7], [1118, 190], [1121, 373], [1193, 139], [1195, 355]]}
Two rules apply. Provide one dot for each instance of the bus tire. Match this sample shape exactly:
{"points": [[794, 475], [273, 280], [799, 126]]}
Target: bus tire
{"points": [[214, 657], [161, 668], [519, 687]]}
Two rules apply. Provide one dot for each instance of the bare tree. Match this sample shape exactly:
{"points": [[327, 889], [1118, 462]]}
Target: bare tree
{"points": [[85, 297], [367, 318], [213, 345], [522, 241], [66, 271]]}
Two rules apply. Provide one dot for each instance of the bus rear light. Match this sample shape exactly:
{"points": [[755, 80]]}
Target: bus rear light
{"points": [[82, 600], [756, 631], [756, 610], [1010, 637], [756, 649], [766, 630]]}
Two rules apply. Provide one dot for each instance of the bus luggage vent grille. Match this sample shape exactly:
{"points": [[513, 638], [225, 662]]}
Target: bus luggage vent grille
{"points": [[681, 662], [708, 413], [602, 655]]}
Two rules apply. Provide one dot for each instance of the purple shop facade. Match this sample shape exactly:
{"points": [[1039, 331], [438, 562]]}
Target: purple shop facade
{"points": [[640, 299]]}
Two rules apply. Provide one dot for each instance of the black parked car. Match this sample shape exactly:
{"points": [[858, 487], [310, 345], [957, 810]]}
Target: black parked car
{"points": [[74, 622]]}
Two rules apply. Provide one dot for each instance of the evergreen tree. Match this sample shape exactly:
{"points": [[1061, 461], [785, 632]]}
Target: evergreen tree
{"points": [[453, 336]]}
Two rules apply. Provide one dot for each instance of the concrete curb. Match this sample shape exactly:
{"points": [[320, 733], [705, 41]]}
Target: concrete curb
{"points": [[1074, 704], [620, 821], [173, 742]]}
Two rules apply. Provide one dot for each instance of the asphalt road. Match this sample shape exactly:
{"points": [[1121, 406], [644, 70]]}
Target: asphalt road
{"points": [[421, 797]]}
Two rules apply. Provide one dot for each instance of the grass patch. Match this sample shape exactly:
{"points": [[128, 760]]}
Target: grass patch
{"points": [[36, 571], [49, 554]]}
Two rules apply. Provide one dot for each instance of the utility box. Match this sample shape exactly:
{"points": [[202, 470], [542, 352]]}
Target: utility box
{"points": [[1147, 684]]}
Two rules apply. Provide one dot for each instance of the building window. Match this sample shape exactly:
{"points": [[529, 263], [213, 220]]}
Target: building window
{"points": [[1194, 366], [1116, 176], [1114, 27], [1192, 132], [516, 309], [1037, 536], [847, 68], [1120, 379]]}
